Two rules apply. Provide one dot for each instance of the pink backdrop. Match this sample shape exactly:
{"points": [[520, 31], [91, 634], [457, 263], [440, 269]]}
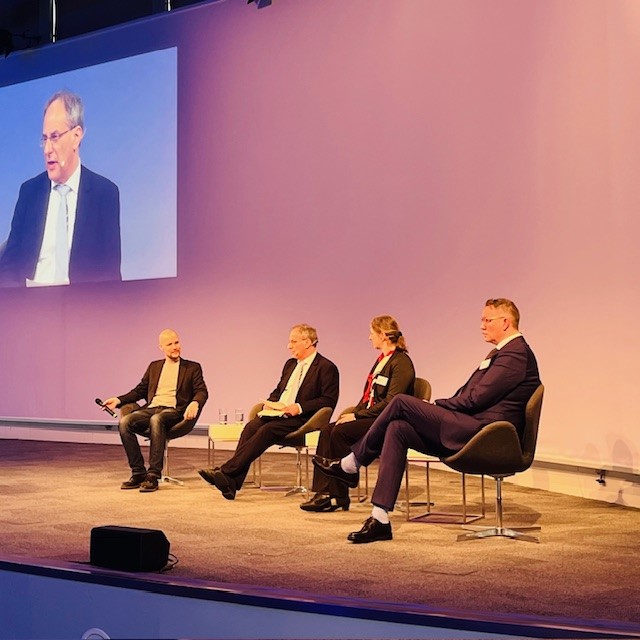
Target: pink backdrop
{"points": [[340, 159]]}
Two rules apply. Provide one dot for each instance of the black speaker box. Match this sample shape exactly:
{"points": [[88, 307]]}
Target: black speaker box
{"points": [[128, 548]]}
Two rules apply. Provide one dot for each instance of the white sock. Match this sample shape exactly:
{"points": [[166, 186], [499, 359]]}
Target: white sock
{"points": [[380, 514], [349, 464]]}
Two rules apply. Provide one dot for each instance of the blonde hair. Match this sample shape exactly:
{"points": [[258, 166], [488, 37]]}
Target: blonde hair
{"points": [[389, 326]]}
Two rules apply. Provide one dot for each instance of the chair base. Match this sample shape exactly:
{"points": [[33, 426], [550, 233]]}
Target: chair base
{"points": [[171, 480], [442, 517], [298, 488], [502, 532], [438, 517], [499, 530], [288, 491]]}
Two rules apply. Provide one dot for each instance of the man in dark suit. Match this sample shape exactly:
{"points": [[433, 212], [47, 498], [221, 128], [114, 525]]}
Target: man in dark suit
{"points": [[66, 224], [499, 389], [309, 382], [174, 390]]}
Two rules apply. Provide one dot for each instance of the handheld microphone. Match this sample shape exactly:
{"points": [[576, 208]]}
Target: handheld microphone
{"points": [[105, 408]]}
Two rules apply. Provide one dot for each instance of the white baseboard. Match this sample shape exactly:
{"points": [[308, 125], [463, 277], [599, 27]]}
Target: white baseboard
{"points": [[582, 485]]}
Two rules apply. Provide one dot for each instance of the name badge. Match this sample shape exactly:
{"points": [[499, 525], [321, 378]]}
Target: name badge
{"points": [[383, 381], [484, 364]]}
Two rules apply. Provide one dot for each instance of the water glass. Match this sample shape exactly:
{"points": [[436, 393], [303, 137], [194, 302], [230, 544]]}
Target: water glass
{"points": [[223, 416]]}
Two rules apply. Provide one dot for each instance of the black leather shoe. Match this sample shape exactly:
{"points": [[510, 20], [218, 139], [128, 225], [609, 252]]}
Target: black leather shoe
{"points": [[150, 484], [224, 484], [314, 498], [207, 475], [333, 469], [134, 481], [372, 531], [322, 503]]}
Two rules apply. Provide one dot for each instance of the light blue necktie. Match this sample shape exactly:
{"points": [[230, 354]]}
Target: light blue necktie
{"points": [[62, 235], [298, 382]]}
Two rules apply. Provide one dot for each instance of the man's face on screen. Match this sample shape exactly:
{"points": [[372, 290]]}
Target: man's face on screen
{"points": [[60, 157]]}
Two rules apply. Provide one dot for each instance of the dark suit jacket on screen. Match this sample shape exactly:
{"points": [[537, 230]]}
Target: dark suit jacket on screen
{"points": [[191, 385], [95, 250]]}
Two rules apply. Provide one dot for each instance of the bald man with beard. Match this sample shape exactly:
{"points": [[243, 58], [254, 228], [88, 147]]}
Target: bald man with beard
{"points": [[173, 390]]}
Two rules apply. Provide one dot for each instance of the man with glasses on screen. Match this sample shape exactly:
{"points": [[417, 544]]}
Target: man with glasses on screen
{"points": [[66, 224], [498, 389]]}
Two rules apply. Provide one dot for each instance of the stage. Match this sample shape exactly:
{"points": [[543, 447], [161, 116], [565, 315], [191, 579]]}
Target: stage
{"points": [[581, 575]]}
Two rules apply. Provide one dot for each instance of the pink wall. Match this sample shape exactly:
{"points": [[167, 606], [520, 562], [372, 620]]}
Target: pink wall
{"points": [[338, 160]]}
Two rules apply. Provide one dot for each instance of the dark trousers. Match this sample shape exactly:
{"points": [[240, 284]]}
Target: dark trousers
{"points": [[153, 423], [406, 423], [257, 436], [335, 441]]}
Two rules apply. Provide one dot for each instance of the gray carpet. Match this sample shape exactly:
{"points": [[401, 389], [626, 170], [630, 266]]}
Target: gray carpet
{"points": [[585, 567]]}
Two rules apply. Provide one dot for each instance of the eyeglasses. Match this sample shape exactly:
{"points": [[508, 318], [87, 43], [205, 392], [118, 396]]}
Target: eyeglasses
{"points": [[488, 320], [54, 138]]}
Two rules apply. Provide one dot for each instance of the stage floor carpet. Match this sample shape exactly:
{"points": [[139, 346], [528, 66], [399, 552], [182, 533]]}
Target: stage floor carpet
{"points": [[585, 567]]}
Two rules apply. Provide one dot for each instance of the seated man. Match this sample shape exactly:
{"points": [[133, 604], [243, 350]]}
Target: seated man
{"points": [[498, 390], [174, 390], [309, 382]]}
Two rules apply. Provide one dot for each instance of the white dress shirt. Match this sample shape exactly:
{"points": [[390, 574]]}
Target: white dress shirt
{"points": [[46, 267]]}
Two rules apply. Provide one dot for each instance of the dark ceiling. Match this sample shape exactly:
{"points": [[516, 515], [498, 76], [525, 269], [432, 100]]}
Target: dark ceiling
{"points": [[25, 24]]}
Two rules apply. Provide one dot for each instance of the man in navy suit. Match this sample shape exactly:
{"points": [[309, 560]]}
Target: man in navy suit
{"points": [[309, 382], [66, 224], [499, 389], [173, 390]]}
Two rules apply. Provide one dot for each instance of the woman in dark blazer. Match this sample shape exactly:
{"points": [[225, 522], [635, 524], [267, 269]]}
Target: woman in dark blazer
{"points": [[391, 374]]}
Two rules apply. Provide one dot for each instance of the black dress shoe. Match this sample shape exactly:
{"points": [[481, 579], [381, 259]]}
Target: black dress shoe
{"points": [[372, 531], [224, 484], [134, 481], [150, 484], [314, 498], [333, 469], [207, 474], [322, 503]]}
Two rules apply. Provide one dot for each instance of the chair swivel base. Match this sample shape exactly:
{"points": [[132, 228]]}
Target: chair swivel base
{"points": [[502, 532], [295, 490], [288, 491]]}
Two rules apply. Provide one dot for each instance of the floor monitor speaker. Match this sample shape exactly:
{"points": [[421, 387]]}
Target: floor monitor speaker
{"points": [[128, 548]]}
